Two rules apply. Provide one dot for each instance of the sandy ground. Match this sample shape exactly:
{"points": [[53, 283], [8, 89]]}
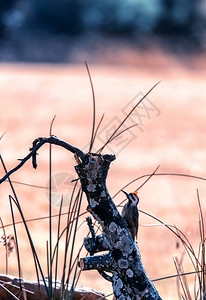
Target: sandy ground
{"points": [[170, 134]]}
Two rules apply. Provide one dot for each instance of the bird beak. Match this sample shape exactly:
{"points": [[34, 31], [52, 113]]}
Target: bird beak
{"points": [[125, 193]]}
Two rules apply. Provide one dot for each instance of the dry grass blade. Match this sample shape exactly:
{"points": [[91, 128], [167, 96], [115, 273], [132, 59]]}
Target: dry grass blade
{"points": [[8, 291], [16, 286], [50, 213], [150, 176], [182, 278], [94, 110], [2, 135], [17, 249], [121, 132], [73, 242], [16, 201], [105, 297], [98, 126], [136, 179], [69, 292], [160, 174], [179, 234], [180, 281], [190, 251], [197, 279], [147, 179], [198, 261], [51, 125], [57, 252], [36, 259], [28, 184], [174, 276], [72, 217], [47, 258], [39, 219], [124, 120], [11, 185]]}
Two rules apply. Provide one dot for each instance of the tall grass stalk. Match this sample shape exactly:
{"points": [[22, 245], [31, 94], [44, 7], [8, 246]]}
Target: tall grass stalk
{"points": [[57, 252], [69, 240], [72, 246], [35, 256], [50, 213], [16, 243], [72, 223], [197, 260]]}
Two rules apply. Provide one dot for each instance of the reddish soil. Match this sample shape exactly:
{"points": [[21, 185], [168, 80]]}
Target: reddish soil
{"points": [[170, 133]]}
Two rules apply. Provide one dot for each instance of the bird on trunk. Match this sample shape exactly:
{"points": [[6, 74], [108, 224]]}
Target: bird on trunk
{"points": [[130, 213]]}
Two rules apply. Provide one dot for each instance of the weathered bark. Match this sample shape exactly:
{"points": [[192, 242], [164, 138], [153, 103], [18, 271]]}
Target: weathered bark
{"points": [[11, 284], [129, 278], [123, 259]]}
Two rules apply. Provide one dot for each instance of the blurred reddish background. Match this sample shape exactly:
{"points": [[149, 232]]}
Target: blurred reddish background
{"points": [[129, 47], [170, 134]]}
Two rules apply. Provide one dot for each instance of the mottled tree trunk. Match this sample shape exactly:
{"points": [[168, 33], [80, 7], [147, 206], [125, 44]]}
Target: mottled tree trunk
{"points": [[123, 259]]}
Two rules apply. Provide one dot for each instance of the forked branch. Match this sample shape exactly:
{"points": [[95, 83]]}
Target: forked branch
{"points": [[37, 144]]}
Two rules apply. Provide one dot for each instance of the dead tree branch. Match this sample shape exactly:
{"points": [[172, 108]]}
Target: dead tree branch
{"points": [[38, 143], [123, 260]]}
